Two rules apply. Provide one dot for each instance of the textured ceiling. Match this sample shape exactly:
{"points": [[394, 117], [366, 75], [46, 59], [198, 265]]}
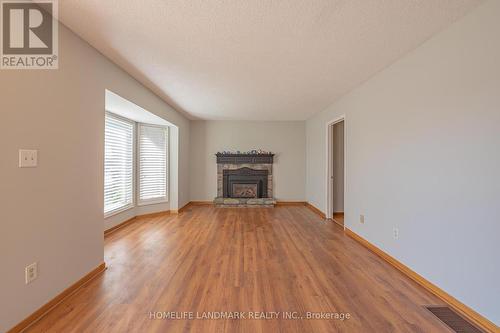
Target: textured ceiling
{"points": [[256, 59]]}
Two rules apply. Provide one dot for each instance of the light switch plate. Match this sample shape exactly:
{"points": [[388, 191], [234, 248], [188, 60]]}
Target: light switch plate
{"points": [[28, 158], [395, 233], [31, 272]]}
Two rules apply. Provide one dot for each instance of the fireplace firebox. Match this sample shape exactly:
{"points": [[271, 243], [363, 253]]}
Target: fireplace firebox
{"points": [[245, 183], [245, 190]]}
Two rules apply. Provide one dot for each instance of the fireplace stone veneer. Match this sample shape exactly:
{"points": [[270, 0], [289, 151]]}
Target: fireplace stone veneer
{"points": [[256, 170]]}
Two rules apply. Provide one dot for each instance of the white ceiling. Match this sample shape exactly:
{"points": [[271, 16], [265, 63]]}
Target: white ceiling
{"points": [[256, 59]]}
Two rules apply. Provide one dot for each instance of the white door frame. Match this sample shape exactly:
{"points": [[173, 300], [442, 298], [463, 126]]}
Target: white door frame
{"points": [[329, 158]]}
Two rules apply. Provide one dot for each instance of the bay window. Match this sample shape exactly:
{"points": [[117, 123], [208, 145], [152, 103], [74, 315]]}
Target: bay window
{"points": [[135, 164]]}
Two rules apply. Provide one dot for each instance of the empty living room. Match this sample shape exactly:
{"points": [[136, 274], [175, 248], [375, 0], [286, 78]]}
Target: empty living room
{"points": [[249, 166]]}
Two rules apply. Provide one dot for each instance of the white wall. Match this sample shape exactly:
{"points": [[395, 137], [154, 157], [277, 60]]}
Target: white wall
{"points": [[284, 138], [423, 140], [53, 214]]}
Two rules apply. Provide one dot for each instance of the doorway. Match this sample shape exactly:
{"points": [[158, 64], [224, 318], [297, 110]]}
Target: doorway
{"points": [[336, 170]]}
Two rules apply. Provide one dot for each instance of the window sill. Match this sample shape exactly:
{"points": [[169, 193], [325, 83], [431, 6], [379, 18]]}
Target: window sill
{"points": [[152, 202], [118, 211]]}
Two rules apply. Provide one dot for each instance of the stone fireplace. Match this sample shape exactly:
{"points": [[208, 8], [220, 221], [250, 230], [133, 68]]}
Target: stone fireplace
{"points": [[244, 180]]}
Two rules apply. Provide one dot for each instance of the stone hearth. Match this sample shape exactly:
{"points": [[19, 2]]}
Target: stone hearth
{"points": [[244, 202]]}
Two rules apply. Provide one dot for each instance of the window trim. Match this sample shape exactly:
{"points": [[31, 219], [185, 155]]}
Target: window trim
{"points": [[136, 202], [134, 158], [138, 169]]}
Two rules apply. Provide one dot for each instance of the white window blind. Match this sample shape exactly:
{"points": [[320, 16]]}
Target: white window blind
{"points": [[118, 164], [153, 159]]}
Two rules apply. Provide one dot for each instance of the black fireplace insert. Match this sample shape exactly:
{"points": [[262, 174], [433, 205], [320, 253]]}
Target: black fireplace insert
{"points": [[244, 183]]}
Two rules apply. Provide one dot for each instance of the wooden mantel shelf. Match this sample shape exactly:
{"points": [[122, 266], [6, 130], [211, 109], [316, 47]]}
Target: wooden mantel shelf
{"points": [[244, 158]]}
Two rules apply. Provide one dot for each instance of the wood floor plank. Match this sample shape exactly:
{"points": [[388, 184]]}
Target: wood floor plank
{"points": [[208, 259]]}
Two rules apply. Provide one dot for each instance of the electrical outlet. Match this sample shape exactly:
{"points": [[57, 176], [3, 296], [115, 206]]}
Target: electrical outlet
{"points": [[28, 158], [395, 233], [361, 219], [31, 272]]}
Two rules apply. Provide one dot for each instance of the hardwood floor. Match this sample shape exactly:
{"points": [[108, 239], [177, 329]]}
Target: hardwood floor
{"points": [[338, 218], [275, 260]]}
